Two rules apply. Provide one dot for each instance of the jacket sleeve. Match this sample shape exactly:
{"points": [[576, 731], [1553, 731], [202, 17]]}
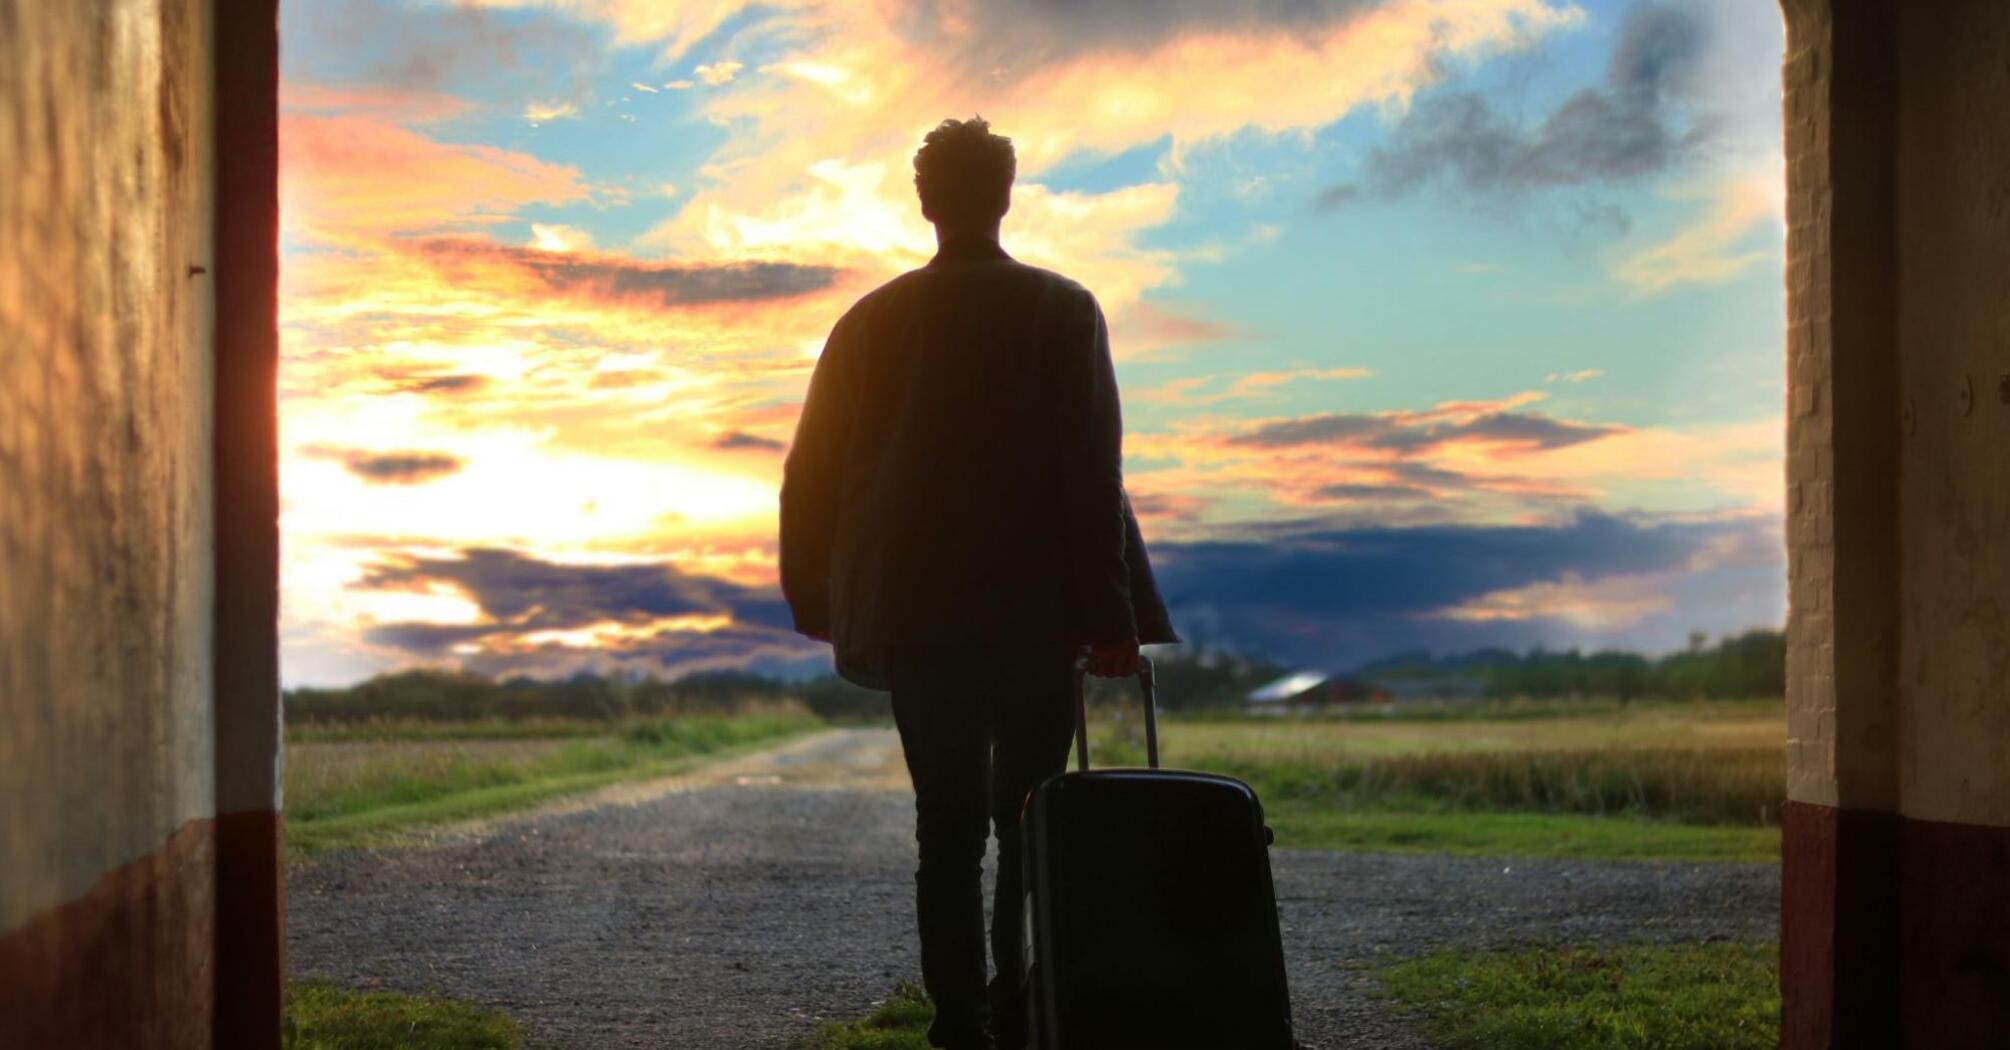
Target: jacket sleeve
{"points": [[812, 487], [1093, 508]]}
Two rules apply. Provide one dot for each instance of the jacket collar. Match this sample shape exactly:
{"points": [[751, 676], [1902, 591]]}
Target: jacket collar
{"points": [[968, 249]]}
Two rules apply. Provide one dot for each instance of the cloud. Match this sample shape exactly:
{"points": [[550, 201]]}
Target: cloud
{"points": [[717, 73], [1635, 125], [545, 617], [737, 440], [1469, 462], [1580, 376], [554, 237], [1339, 597], [380, 102], [819, 161], [349, 178], [1409, 434], [450, 384], [541, 112], [390, 468], [1247, 387], [617, 278], [1724, 243], [458, 47]]}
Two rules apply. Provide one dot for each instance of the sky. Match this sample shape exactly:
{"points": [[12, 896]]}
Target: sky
{"points": [[1439, 323]]}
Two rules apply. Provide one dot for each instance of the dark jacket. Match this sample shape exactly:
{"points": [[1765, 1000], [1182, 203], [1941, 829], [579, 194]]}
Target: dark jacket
{"points": [[956, 474]]}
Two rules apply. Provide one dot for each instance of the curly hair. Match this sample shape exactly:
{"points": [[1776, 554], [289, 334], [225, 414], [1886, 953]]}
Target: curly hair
{"points": [[964, 173]]}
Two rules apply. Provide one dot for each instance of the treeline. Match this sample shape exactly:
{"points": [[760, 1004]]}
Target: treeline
{"points": [[1752, 664], [446, 695], [1187, 679]]}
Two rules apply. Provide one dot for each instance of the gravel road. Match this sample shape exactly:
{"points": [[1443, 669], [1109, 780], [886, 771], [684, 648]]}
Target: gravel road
{"points": [[735, 906]]}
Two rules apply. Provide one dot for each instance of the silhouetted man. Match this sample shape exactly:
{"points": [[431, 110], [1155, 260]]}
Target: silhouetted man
{"points": [[954, 522]]}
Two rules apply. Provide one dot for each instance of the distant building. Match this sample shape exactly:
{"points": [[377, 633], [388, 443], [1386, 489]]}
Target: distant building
{"points": [[1434, 687], [1310, 689]]}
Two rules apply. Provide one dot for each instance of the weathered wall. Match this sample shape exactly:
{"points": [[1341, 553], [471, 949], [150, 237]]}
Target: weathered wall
{"points": [[1895, 919], [1954, 326], [106, 760], [1953, 682]]}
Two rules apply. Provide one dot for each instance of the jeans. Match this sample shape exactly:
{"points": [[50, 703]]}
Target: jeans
{"points": [[980, 727]]}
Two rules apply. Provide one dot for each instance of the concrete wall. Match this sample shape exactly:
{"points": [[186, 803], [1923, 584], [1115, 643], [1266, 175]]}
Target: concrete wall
{"points": [[110, 708], [104, 441], [1896, 908]]}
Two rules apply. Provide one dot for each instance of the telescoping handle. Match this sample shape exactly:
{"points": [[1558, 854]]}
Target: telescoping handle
{"points": [[1146, 684]]}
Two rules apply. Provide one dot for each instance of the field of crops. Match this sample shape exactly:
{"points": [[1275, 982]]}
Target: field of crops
{"points": [[1697, 780]]}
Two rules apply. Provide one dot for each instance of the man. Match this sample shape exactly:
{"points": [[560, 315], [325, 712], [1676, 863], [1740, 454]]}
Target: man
{"points": [[954, 522]]}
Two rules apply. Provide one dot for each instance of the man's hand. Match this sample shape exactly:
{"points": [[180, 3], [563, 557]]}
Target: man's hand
{"points": [[1114, 660]]}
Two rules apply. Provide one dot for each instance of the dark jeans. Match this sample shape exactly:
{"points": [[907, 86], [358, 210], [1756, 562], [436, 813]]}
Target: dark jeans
{"points": [[981, 727]]}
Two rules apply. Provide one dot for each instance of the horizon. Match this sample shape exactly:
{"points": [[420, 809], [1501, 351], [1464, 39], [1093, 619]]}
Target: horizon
{"points": [[1469, 341]]}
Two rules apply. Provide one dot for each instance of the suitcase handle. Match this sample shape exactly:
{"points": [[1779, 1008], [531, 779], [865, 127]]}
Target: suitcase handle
{"points": [[1146, 684]]}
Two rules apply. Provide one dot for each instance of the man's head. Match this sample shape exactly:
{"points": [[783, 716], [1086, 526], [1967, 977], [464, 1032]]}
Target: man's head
{"points": [[964, 175]]}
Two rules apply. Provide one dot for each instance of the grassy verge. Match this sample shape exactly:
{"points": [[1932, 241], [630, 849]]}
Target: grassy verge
{"points": [[1312, 825], [360, 793], [1684, 997], [900, 1023], [323, 1017], [379, 730]]}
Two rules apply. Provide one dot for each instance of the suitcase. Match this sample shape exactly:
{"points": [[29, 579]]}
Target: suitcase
{"points": [[1150, 922]]}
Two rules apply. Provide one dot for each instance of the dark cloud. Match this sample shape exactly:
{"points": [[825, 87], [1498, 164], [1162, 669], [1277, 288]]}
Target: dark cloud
{"points": [[738, 440], [1312, 430], [1335, 598], [389, 468], [1633, 125], [1372, 492], [532, 594], [1393, 433], [441, 384], [1318, 595], [612, 277], [520, 595]]}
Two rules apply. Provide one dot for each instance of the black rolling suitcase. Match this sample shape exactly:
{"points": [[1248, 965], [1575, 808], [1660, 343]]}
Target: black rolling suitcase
{"points": [[1150, 919]]}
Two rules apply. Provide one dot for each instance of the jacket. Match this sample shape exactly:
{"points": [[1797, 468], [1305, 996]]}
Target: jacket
{"points": [[956, 472]]}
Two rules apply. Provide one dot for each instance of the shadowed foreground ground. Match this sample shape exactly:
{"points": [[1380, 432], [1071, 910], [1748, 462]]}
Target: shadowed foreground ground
{"points": [[737, 906]]}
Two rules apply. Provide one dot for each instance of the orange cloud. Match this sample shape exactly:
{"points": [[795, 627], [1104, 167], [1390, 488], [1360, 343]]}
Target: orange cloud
{"points": [[354, 176]]}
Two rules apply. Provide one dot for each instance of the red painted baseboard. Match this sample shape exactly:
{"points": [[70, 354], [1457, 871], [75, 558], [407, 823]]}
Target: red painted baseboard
{"points": [[128, 964]]}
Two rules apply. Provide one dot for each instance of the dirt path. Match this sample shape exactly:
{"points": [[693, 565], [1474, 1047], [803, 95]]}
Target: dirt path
{"points": [[733, 906]]}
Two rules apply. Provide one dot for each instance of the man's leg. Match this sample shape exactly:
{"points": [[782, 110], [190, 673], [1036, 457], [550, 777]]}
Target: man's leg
{"points": [[1033, 725], [947, 744]]}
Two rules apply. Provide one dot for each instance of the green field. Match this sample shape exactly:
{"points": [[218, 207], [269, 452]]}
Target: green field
{"points": [[1698, 780], [365, 784]]}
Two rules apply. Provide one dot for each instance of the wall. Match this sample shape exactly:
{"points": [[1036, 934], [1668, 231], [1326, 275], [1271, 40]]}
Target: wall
{"points": [[1953, 682], [109, 712], [1895, 923]]}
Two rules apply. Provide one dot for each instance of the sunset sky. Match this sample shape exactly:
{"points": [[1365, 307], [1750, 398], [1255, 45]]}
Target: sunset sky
{"points": [[1440, 323]]}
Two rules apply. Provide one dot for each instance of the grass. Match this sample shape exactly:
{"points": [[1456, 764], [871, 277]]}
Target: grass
{"points": [[378, 730], [1713, 996], [355, 792], [1488, 834], [323, 1017], [1708, 996], [1671, 781], [899, 1023]]}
